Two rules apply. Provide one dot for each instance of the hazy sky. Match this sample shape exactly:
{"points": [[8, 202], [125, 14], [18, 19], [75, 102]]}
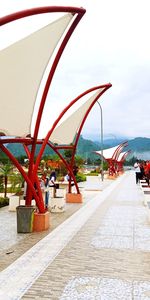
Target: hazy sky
{"points": [[110, 44]]}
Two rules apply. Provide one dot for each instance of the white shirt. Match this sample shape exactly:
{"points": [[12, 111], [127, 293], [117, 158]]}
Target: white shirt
{"points": [[137, 167], [66, 178], [52, 181]]}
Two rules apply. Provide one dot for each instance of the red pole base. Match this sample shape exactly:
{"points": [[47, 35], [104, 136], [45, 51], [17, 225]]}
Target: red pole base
{"points": [[41, 221]]}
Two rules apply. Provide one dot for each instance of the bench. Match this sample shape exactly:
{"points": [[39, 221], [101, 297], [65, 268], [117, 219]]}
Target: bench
{"points": [[62, 185]]}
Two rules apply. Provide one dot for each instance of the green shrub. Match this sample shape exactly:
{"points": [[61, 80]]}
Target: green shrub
{"points": [[4, 201], [80, 177], [93, 173]]}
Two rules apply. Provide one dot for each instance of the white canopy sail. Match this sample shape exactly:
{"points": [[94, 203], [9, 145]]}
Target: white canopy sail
{"points": [[69, 125], [121, 155]]}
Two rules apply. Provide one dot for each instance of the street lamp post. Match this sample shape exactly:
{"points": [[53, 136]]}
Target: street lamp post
{"points": [[102, 161]]}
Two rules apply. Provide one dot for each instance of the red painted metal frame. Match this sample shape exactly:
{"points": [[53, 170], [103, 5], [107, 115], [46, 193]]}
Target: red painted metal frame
{"points": [[38, 200], [125, 155], [121, 162], [118, 150], [37, 184], [74, 146], [113, 169], [72, 176], [79, 12], [63, 160]]}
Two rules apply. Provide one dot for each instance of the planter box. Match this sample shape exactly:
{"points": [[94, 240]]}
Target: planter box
{"points": [[74, 198]]}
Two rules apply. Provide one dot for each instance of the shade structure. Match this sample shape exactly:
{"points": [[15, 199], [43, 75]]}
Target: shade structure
{"points": [[111, 156], [113, 152], [66, 130], [108, 153], [22, 68]]}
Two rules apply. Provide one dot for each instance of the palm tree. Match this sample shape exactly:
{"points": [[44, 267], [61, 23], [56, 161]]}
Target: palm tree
{"points": [[16, 182], [5, 170]]}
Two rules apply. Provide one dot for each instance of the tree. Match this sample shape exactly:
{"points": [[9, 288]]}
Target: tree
{"points": [[79, 160], [4, 158], [16, 181], [5, 170], [68, 154]]}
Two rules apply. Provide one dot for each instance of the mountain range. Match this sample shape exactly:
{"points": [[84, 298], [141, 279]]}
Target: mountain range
{"points": [[140, 147]]}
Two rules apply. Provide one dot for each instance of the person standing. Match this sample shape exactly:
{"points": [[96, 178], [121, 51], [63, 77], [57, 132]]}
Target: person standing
{"points": [[137, 171], [142, 164], [52, 183], [44, 186]]}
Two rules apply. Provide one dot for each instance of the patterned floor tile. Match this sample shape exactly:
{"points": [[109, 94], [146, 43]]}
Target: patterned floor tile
{"points": [[98, 288]]}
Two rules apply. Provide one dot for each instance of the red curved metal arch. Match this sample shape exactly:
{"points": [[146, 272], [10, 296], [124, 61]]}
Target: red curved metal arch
{"points": [[118, 150], [107, 86], [40, 10], [120, 163], [125, 155]]}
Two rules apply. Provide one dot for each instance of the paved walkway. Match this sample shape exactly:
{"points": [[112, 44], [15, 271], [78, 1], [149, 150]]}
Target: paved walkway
{"points": [[102, 251], [13, 245]]}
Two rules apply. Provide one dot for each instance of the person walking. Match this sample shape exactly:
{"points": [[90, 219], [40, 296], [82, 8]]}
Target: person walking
{"points": [[137, 171]]}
